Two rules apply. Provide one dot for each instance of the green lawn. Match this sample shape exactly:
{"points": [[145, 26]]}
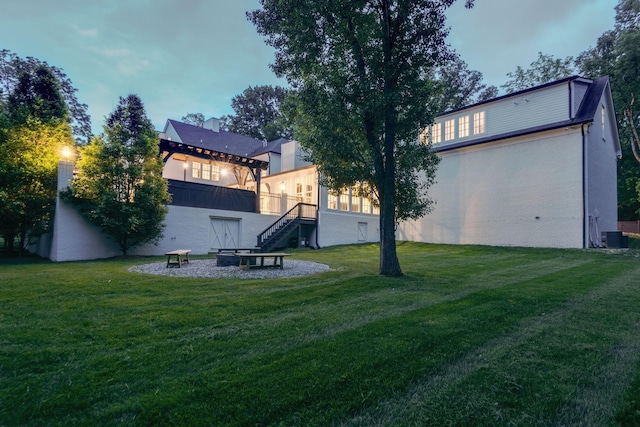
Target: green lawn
{"points": [[469, 336]]}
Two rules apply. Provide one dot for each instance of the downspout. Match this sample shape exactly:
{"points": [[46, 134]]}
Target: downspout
{"points": [[318, 213], [585, 230]]}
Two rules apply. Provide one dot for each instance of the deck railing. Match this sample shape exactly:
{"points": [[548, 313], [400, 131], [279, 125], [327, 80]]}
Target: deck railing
{"points": [[300, 211]]}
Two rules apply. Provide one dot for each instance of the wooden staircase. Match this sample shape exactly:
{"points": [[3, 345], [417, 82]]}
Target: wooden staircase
{"points": [[298, 223]]}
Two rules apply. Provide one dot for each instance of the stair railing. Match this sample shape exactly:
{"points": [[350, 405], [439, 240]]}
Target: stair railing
{"points": [[299, 211]]}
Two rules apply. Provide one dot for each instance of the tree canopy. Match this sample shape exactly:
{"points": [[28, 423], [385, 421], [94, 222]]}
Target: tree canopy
{"points": [[363, 71], [196, 119], [258, 113], [458, 86], [543, 70], [13, 70], [34, 128], [119, 184]]}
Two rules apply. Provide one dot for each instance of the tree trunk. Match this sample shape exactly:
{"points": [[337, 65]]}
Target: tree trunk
{"points": [[389, 264]]}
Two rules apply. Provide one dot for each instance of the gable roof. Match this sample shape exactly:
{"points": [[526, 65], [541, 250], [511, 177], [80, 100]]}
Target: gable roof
{"points": [[221, 141], [274, 146]]}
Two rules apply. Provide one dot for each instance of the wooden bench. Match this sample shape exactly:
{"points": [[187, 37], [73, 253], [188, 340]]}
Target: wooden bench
{"points": [[278, 260], [236, 250], [181, 255]]}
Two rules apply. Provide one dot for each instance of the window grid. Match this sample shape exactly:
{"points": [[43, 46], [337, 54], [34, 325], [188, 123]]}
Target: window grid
{"points": [[196, 171], [478, 123], [436, 133], [449, 129], [463, 126]]}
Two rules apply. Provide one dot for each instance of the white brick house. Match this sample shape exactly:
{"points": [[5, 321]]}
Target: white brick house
{"points": [[534, 168]]}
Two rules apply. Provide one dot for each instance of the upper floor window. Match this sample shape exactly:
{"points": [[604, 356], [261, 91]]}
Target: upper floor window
{"points": [[436, 133], [478, 123], [449, 129], [463, 126], [215, 173], [196, 169], [205, 171]]}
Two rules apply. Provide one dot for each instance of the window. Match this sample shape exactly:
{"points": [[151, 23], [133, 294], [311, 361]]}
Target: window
{"points": [[196, 171], [425, 136], [298, 189], [332, 202], [436, 133], [463, 126], [355, 202], [308, 188], [376, 209], [344, 199], [366, 205], [215, 173], [206, 171], [449, 129], [478, 122]]}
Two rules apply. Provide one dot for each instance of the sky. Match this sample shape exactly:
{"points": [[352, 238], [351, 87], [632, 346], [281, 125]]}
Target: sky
{"points": [[194, 56]]}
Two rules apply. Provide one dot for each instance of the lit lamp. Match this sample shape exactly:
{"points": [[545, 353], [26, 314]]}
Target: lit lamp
{"points": [[185, 166], [66, 153], [282, 187]]}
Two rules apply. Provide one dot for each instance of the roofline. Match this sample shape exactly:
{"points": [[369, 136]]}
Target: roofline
{"points": [[518, 93]]}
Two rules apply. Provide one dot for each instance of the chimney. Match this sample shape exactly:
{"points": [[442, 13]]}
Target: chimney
{"points": [[212, 124]]}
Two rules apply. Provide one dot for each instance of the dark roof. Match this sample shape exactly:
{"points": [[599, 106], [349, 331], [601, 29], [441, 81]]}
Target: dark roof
{"points": [[274, 146], [222, 141], [585, 114], [589, 106]]}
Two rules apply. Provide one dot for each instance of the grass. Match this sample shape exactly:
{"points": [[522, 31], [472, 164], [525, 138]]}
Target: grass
{"points": [[468, 336]]}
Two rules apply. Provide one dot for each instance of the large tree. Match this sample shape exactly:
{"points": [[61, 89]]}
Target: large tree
{"points": [[258, 113], [196, 119], [459, 86], [543, 70], [617, 54], [34, 128], [363, 73], [12, 67], [119, 185]]}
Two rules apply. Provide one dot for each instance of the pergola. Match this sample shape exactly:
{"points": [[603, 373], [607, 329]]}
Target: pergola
{"points": [[242, 165]]}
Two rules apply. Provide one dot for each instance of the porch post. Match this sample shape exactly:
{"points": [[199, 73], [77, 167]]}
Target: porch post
{"points": [[258, 174]]}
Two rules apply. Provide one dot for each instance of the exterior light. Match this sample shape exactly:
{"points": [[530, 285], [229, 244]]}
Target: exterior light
{"points": [[66, 153], [282, 186]]}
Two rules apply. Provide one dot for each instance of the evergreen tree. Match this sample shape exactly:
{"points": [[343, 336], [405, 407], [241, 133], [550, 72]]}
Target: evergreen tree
{"points": [[119, 185]]}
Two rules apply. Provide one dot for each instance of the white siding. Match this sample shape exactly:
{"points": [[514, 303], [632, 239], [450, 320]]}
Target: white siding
{"points": [[530, 109]]}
